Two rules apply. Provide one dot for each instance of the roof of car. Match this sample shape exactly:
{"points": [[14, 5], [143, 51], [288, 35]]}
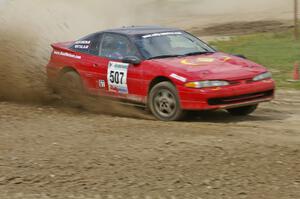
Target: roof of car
{"points": [[139, 30]]}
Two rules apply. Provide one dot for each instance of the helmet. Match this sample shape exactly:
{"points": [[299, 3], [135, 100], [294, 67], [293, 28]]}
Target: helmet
{"points": [[121, 45]]}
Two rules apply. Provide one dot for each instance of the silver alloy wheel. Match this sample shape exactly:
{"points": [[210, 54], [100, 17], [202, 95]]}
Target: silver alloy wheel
{"points": [[165, 103]]}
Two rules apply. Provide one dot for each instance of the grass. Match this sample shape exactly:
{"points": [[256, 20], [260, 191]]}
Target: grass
{"points": [[276, 51]]}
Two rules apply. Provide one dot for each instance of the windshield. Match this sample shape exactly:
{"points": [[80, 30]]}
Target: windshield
{"points": [[170, 44]]}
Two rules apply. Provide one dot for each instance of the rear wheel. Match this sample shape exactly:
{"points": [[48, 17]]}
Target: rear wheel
{"points": [[242, 111], [164, 102], [70, 88]]}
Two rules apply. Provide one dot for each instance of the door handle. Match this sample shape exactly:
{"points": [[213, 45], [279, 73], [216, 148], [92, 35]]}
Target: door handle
{"points": [[95, 65]]}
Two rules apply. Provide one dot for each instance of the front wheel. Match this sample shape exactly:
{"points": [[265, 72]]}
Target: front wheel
{"points": [[242, 111], [164, 102]]}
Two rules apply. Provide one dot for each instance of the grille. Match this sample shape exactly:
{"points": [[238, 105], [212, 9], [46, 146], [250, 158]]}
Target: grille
{"points": [[236, 82], [241, 98]]}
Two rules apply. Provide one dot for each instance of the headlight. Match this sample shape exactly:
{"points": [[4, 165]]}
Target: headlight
{"points": [[206, 84], [262, 76]]}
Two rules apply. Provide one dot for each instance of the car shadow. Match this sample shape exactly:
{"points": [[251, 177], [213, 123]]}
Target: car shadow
{"points": [[222, 116], [93, 105]]}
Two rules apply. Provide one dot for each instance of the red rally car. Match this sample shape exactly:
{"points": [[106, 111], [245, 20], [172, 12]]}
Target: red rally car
{"points": [[168, 70]]}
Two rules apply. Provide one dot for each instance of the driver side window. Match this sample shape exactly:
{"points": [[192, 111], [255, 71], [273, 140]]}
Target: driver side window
{"points": [[116, 47]]}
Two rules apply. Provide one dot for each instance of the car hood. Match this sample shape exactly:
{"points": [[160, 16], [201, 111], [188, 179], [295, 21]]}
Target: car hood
{"points": [[214, 66]]}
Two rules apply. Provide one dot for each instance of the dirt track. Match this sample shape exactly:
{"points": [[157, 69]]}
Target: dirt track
{"points": [[65, 153]]}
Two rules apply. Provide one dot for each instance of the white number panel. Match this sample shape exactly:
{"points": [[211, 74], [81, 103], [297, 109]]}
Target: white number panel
{"points": [[117, 77]]}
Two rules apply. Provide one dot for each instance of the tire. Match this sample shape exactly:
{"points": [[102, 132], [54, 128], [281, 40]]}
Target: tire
{"points": [[70, 88], [242, 111], [164, 102]]}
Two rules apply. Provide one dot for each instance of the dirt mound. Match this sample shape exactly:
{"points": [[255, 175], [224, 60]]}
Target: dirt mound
{"points": [[239, 28]]}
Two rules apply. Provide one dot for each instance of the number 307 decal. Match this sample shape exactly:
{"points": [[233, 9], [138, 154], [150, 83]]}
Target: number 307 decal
{"points": [[117, 77]]}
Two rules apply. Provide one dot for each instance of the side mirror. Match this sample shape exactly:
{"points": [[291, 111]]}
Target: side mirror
{"points": [[132, 60]]}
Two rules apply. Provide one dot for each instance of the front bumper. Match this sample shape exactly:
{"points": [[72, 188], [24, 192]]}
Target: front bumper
{"points": [[232, 96]]}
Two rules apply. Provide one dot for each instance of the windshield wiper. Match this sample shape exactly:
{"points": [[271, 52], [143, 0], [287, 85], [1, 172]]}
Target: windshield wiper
{"points": [[164, 56], [197, 53], [184, 55]]}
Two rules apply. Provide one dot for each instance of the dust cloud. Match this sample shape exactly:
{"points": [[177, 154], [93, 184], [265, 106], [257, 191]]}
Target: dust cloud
{"points": [[27, 29]]}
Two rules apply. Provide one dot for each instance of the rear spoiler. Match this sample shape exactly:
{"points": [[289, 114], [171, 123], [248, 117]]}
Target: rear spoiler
{"points": [[63, 46]]}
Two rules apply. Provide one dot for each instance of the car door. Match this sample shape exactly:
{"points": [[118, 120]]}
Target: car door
{"points": [[122, 79], [92, 66]]}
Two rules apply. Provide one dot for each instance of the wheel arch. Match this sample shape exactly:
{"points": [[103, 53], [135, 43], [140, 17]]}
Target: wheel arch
{"points": [[158, 80], [66, 69], [179, 113], [60, 74]]}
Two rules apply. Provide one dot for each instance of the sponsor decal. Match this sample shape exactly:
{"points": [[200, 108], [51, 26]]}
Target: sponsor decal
{"points": [[225, 59], [77, 46], [162, 34], [101, 83], [65, 54], [117, 77], [175, 76], [83, 42], [197, 62]]}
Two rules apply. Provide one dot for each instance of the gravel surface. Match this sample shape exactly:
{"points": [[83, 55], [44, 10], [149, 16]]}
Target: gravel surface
{"points": [[53, 152]]}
